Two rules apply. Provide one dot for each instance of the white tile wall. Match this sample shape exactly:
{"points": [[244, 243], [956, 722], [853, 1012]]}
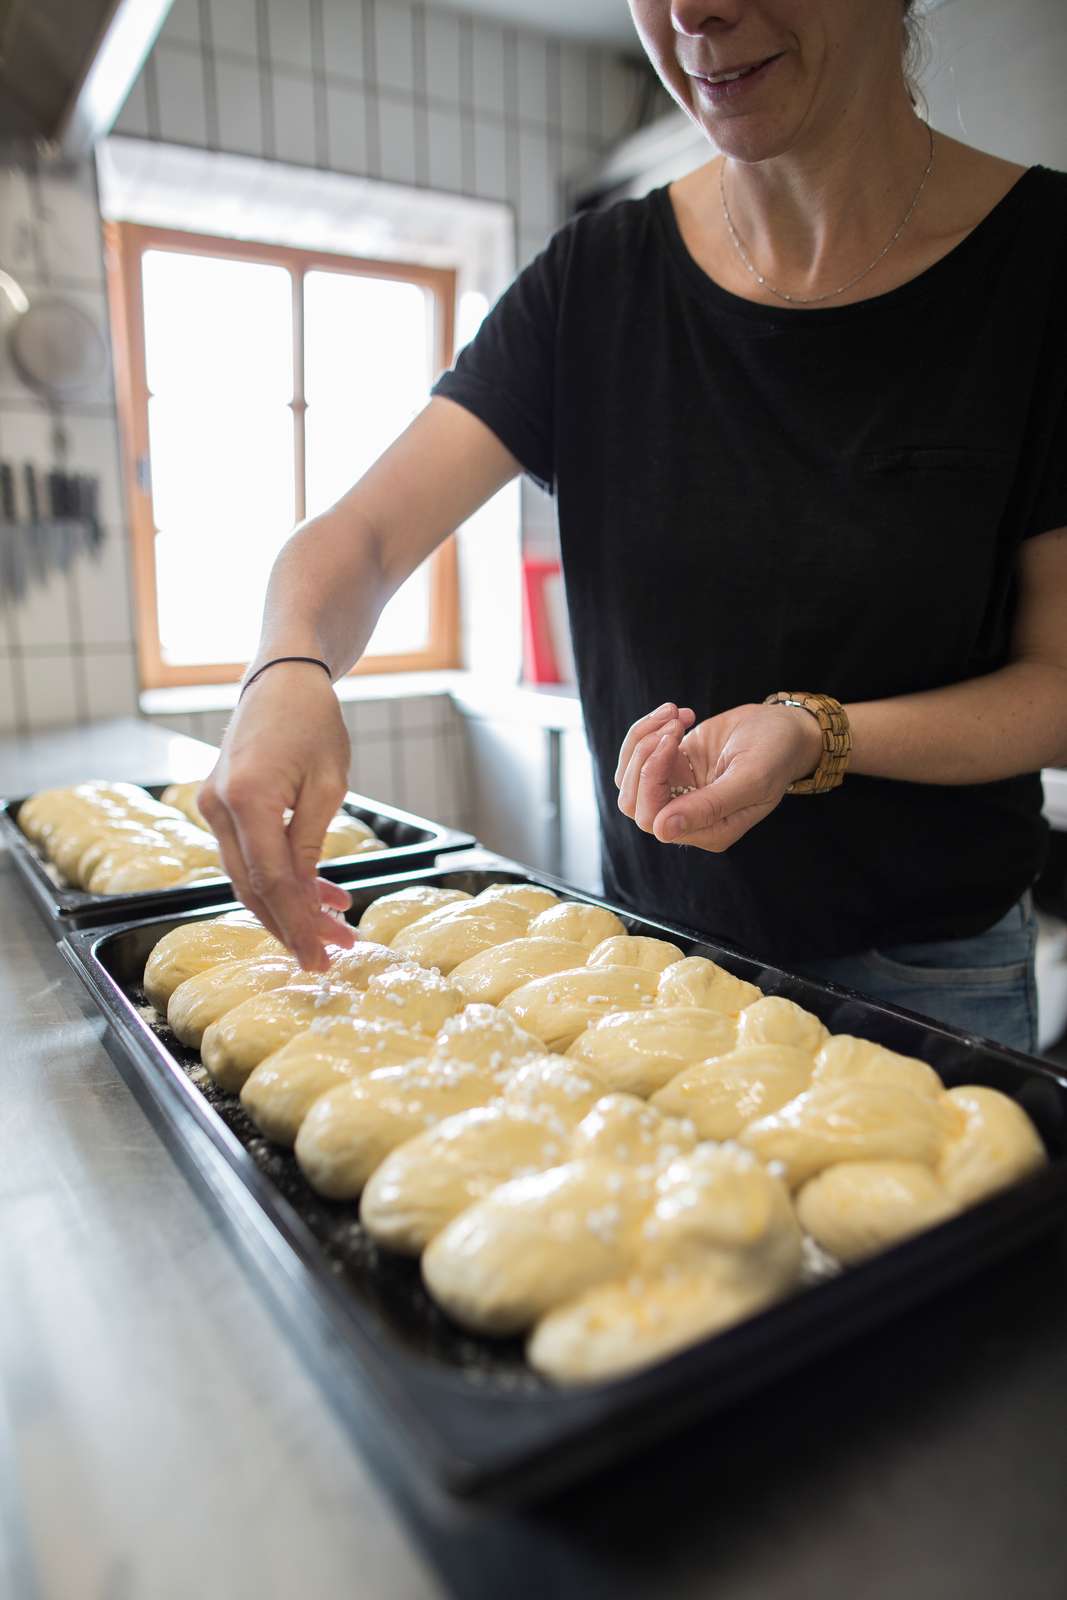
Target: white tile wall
{"points": [[375, 87]]}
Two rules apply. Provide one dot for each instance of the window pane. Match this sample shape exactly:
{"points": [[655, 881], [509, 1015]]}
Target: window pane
{"points": [[368, 370], [215, 327]]}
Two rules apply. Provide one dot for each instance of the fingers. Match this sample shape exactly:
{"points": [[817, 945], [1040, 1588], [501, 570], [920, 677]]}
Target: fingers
{"points": [[654, 723], [332, 896], [291, 901], [642, 751], [215, 813], [316, 805], [657, 775], [715, 817]]}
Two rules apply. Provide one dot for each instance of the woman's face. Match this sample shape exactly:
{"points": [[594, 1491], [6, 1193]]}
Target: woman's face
{"points": [[806, 62]]}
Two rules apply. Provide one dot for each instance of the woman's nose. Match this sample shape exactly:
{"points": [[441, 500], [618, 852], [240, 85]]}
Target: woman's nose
{"points": [[696, 17]]}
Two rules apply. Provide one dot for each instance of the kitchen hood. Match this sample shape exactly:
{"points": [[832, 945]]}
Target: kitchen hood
{"points": [[66, 67]]}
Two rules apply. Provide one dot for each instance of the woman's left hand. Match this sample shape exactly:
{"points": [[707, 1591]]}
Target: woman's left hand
{"points": [[741, 762]]}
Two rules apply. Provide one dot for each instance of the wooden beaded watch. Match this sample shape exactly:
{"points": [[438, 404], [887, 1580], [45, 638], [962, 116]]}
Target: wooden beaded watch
{"points": [[833, 723]]}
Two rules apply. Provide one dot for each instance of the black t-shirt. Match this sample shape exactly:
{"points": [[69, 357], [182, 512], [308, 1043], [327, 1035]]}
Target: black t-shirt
{"points": [[753, 498]]}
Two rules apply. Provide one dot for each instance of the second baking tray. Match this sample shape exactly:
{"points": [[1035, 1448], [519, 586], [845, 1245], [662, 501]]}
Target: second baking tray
{"points": [[411, 841], [469, 1410]]}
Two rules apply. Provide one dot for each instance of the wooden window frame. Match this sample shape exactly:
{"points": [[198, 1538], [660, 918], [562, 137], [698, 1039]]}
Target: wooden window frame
{"points": [[125, 245]]}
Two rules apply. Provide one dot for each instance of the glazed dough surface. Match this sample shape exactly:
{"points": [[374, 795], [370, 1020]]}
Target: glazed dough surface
{"points": [[455, 933], [774, 1020], [622, 950], [696, 981], [194, 947], [407, 995], [495, 972], [281, 1090], [237, 1042], [528, 897], [386, 916], [485, 1036], [209, 994], [850, 1120], [858, 1207], [722, 1095], [622, 1129], [640, 1051], [582, 924], [842, 1057], [991, 1143], [558, 1008]]}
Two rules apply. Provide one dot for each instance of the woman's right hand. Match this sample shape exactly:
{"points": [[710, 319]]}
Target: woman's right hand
{"points": [[286, 749]]}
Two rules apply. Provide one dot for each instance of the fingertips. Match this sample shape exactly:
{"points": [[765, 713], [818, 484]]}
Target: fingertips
{"points": [[333, 895]]}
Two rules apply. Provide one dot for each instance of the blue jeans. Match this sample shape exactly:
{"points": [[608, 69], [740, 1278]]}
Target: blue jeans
{"points": [[982, 985]]}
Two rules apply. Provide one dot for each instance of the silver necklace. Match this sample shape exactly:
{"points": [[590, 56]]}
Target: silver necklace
{"points": [[814, 299]]}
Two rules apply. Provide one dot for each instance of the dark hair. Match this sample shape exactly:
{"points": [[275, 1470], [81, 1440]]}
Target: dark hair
{"points": [[914, 49]]}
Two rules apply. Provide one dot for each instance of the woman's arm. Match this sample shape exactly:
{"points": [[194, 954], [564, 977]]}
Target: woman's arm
{"points": [[1010, 721], [286, 747]]}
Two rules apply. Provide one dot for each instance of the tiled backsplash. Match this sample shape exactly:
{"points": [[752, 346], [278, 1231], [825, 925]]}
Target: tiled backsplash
{"points": [[380, 88]]}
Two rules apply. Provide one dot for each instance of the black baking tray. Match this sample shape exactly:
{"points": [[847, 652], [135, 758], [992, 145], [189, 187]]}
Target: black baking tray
{"points": [[469, 1410], [411, 842]]}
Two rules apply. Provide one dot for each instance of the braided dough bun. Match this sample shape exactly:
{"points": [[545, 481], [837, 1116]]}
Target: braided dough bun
{"points": [[408, 995], [494, 973], [844, 1057], [859, 1207], [486, 1036], [583, 924], [209, 994], [134, 874], [280, 1092], [558, 1008], [183, 797], [534, 1242], [196, 946], [384, 917], [848, 1120], [347, 835], [991, 1143], [528, 897], [622, 950], [774, 1020], [455, 933], [639, 1051], [721, 1243], [723, 1095], [431, 1178], [78, 860], [623, 1129], [696, 981], [356, 966], [237, 1042]]}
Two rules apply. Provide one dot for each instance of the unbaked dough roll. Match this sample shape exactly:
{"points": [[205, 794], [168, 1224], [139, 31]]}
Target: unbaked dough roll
{"points": [[856, 1208], [356, 966], [724, 1094], [557, 1009], [349, 836], [384, 917], [245, 1036], [991, 1144], [775, 1020], [209, 994], [195, 947], [842, 1056], [349, 1131], [151, 869], [849, 1120], [583, 924], [622, 950], [553, 1089], [494, 973], [535, 1242], [623, 1129], [639, 1051], [455, 933], [407, 995], [279, 1093], [528, 897], [696, 981], [184, 798], [485, 1036], [78, 860], [430, 1179]]}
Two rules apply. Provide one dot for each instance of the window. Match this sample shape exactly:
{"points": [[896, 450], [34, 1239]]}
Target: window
{"points": [[257, 383]]}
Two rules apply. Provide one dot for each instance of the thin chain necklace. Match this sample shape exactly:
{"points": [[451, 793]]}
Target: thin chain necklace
{"points": [[814, 299]]}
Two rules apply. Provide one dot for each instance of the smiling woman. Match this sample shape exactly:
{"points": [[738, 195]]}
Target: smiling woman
{"points": [[804, 413]]}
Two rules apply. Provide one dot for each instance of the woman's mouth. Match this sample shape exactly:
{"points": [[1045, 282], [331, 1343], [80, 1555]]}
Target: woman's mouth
{"points": [[732, 83]]}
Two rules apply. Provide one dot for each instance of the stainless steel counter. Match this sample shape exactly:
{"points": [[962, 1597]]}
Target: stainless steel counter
{"points": [[161, 1437]]}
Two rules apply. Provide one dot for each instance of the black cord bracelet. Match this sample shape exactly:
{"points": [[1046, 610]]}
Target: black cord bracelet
{"points": [[312, 661]]}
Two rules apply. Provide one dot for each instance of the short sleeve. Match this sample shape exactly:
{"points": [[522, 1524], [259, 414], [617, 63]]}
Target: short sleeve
{"points": [[1050, 505], [506, 376]]}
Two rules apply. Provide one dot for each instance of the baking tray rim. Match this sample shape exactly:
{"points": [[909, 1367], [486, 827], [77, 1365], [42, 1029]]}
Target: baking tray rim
{"points": [[815, 1320], [77, 907]]}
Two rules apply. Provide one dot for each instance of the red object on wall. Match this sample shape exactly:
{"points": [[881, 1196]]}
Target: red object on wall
{"points": [[539, 654]]}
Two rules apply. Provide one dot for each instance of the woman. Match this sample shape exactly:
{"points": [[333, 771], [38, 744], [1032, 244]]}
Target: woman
{"points": [[805, 415]]}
